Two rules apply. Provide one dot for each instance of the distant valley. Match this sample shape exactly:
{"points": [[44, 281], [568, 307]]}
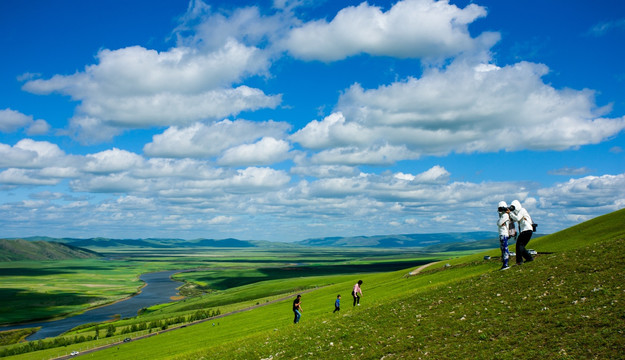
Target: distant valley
{"points": [[433, 241]]}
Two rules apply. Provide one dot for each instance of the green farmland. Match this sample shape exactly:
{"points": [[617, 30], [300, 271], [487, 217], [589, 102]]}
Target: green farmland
{"points": [[35, 290], [567, 304]]}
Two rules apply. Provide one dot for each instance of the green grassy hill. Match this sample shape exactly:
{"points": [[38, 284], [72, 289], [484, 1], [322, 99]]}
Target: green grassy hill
{"points": [[567, 304], [16, 250]]}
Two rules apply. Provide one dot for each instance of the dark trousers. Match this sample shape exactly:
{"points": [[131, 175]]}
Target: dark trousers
{"points": [[356, 298], [521, 243]]}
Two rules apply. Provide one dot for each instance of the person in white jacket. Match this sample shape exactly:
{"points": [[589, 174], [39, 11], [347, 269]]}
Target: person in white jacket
{"points": [[503, 224], [520, 215]]}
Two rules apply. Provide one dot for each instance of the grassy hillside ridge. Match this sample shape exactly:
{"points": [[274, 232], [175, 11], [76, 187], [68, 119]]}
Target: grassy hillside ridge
{"points": [[567, 304], [18, 250], [596, 230]]}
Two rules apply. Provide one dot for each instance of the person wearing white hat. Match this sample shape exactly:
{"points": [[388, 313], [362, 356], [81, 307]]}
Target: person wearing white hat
{"points": [[520, 215], [503, 224]]}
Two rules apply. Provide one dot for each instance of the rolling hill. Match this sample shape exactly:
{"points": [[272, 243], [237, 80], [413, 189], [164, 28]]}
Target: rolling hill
{"points": [[16, 250], [567, 304]]}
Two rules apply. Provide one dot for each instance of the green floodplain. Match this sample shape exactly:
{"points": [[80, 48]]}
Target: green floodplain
{"points": [[567, 304]]}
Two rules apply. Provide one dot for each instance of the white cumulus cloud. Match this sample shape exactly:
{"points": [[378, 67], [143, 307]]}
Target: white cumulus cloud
{"points": [[264, 152], [410, 28], [11, 121], [114, 160], [135, 87], [202, 140], [466, 108]]}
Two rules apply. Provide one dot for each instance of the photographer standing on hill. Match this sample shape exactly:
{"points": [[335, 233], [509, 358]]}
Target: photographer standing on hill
{"points": [[503, 225], [520, 215]]}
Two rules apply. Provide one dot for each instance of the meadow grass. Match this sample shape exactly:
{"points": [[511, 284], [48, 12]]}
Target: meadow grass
{"points": [[46, 289], [568, 304], [38, 290]]}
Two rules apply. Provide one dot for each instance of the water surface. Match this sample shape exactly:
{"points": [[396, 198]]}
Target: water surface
{"points": [[158, 290]]}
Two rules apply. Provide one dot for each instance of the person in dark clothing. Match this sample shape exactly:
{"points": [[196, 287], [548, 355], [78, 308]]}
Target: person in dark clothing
{"points": [[522, 217], [297, 308]]}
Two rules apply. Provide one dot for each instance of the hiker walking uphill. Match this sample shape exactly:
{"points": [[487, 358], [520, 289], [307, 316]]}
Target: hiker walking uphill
{"points": [[503, 225], [356, 291], [297, 308], [337, 304], [521, 216]]}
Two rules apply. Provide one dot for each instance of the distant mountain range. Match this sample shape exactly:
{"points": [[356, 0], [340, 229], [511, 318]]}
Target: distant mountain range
{"points": [[16, 250], [405, 240], [461, 240], [101, 242]]}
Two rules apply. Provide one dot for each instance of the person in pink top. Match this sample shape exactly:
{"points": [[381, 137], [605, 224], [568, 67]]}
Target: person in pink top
{"points": [[356, 291]]}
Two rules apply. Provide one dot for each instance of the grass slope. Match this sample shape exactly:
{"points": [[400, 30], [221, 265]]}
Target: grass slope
{"points": [[18, 250], [568, 304]]}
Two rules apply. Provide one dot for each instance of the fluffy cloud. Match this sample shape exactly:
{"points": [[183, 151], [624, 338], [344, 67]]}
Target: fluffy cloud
{"points": [[203, 28], [333, 131], [254, 179], [463, 108], [349, 143], [586, 195], [435, 175], [136, 88], [410, 28], [372, 155], [111, 161], [264, 152], [25, 177], [11, 120], [111, 183], [201, 140], [323, 171], [28, 153]]}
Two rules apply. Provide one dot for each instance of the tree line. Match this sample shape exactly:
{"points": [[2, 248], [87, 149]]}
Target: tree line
{"points": [[108, 331]]}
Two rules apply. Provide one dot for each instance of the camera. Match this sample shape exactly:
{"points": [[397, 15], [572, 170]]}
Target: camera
{"points": [[511, 208], [502, 209]]}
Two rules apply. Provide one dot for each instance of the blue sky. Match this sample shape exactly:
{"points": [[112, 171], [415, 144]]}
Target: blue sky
{"points": [[285, 120]]}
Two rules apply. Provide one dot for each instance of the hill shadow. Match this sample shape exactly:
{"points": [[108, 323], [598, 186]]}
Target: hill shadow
{"points": [[29, 271], [23, 271], [23, 305], [280, 273]]}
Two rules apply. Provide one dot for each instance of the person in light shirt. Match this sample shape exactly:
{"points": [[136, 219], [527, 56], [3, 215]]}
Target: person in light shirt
{"points": [[357, 290]]}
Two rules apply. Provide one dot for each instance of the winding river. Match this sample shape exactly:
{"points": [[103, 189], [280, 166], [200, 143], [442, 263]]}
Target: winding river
{"points": [[159, 289]]}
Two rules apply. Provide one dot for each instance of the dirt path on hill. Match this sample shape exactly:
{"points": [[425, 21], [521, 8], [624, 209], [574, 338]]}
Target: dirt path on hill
{"points": [[118, 343], [420, 268]]}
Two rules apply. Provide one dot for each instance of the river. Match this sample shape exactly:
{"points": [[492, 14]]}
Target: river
{"points": [[159, 289]]}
